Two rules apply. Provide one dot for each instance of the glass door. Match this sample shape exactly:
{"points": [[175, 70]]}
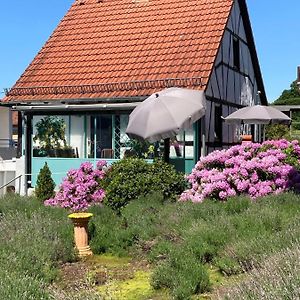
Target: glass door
{"points": [[101, 137], [182, 150]]}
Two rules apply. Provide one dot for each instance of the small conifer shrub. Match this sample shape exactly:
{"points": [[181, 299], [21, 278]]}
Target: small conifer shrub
{"points": [[45, 184]]}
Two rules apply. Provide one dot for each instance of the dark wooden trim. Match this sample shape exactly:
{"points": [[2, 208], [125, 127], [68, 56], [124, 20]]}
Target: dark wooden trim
{"points": [[222, 63], [167, 150], [28, 147], [236, 35], [210, 123], [224, 102], [20, 131], [79, 112], [219, 144]]}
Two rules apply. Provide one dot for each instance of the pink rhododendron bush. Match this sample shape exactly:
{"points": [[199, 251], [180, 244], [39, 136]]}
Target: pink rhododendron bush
{"points": [[254, 169], [81, 188]]}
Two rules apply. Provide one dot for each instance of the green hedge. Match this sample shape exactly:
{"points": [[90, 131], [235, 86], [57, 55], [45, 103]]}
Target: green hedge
{"points": [[131, 178]]}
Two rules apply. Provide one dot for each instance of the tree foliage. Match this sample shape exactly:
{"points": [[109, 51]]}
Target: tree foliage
{"points": [[290, 96], [50, 132], [45, 184], [277, 132]]}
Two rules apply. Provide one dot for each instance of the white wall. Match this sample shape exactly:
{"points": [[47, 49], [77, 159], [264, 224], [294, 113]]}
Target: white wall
{"points": [[9, 170], [5, 126], [77, 137]]}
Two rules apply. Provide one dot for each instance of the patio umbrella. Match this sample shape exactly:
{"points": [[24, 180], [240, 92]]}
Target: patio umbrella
{"points": [[164, 113], [257, 114]]}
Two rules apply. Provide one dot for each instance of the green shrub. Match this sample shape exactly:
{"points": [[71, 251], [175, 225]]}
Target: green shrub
{"points": [[228, 266], [131, 178], [181, 240], [16, 286], [117, 234], [237, 205], [277, 278], [190, 277], [277, 132], [34, 241], [45, 185]]}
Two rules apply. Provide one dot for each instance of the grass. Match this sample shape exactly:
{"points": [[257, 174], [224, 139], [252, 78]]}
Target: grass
{"points": [[277, 278], [189, 249], [182, 240], [34, 241]]}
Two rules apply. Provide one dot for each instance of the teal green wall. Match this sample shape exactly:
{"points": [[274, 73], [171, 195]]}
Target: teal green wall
{"points": [[59, 166]]}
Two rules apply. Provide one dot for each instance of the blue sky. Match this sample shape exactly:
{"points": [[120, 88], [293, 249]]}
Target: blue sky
{"points": [[26, 25]]}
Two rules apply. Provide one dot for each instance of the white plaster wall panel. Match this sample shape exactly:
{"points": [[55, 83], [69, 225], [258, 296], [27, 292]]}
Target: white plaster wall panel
{"points": [[247, 93], [230, 86], [256, 95], [226, 42], [5, 127], [77, 134]]}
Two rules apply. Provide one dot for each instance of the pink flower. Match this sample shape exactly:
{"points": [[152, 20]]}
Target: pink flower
{"points": [[253, 169], [81, 188]]}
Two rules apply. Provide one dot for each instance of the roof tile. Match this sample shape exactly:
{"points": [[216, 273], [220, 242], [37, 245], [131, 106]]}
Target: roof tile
{"points": [[122, 40]]}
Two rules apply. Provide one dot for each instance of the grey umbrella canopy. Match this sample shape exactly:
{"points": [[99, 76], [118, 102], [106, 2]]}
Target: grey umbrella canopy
{"points": [[257, 114], [164, 113]]}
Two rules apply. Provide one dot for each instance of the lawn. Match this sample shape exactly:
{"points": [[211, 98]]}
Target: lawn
{"points": [[152, 248]]}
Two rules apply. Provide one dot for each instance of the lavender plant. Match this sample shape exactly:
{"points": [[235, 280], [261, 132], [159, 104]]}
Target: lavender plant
{"points": [[253, 169], [81, 188]]}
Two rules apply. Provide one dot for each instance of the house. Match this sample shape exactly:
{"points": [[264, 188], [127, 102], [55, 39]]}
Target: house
{"points": [[107, 56], [7, 152]]}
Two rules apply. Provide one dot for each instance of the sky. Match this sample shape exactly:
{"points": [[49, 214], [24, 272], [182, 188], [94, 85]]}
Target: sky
{"points": [[26, 25]]}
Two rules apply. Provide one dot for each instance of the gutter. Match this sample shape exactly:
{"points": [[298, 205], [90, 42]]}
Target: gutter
{"points": [[76, 107]]}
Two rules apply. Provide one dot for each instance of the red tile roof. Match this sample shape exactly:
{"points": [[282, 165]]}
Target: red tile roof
{"points": [[122, 41]]}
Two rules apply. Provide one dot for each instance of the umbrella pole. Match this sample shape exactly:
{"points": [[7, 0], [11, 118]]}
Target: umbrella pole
{"points": [[167, 150]]}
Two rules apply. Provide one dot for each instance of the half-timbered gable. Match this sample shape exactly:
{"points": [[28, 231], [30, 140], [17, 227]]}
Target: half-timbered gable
{"points": [[235, 79]]}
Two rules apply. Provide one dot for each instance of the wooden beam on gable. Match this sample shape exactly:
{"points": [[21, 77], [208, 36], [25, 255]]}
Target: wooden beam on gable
{"points": [[253, 53]]}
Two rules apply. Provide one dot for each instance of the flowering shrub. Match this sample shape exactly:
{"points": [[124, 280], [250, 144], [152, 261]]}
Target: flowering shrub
{"points": [[81, 188], [254, 169]]}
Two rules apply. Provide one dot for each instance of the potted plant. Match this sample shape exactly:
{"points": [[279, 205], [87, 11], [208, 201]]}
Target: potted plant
{"points": [[78, 191]]}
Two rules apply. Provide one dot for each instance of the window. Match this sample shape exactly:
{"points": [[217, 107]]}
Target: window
{"points": [[218, 123], [236, 53]]}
